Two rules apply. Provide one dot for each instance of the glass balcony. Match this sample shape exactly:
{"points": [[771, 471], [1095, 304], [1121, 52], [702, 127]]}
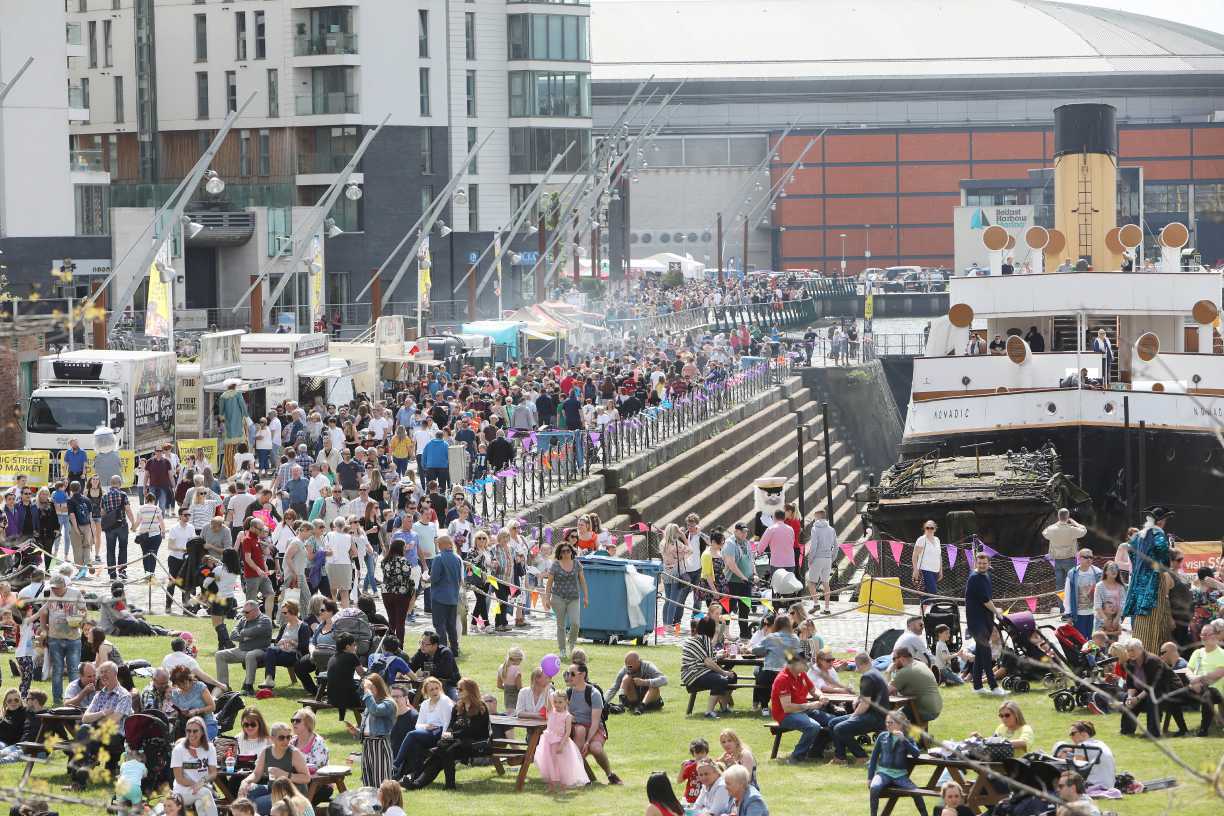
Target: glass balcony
{"points": [[319, 104], [325, 44], [73, 33], [322, 162], [86, 161], [76, 97]]}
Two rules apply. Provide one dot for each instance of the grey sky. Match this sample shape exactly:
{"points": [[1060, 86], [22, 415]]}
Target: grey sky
{"points": [[1207, 14]]}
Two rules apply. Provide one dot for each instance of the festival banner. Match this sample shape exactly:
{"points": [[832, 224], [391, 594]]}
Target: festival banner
{"points": [[1200, 554], [157, 307], [315, 287], [127, 461], [36, 465], [206, 448], [424, 267]]}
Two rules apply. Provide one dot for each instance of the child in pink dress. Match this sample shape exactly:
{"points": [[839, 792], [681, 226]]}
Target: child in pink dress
{"points": [[557, 755]]}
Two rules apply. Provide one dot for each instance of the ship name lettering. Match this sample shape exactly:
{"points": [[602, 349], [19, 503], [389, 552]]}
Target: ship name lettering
{"points": [[952, 413], [1216, 411]]}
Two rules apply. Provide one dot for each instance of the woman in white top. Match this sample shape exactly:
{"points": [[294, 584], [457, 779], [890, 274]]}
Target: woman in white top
{"points": [[263, 446], [1089, 754], [255, 735], [391, 797], [928, 559], [150, 527], [296, 558], [433, 718], [202, 505], [824, 676], [194, 762], [340, 550], [535, 696]]}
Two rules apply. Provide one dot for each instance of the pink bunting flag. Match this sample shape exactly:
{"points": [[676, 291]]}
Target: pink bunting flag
{"points": [[990, 551], [897, 547], [1031, 603], [873, 547], [659, 630], [952, 551], [643, 526], [847, 549], [1020, 564]]}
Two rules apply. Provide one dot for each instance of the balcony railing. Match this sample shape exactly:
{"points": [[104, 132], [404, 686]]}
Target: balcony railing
{"points": [[326, 103], [325, 44], [322, 162], [86, 161], [76, 97]]}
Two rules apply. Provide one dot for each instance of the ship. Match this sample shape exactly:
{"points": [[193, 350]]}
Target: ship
{"points": [[1137, 425]]}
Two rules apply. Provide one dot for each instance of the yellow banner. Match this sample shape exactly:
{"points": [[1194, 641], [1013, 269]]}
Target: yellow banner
{"points": [[157, 309], [127, 461], [316, 282], [868, 306], [34, 464], [880, 596], [1200, 554], [198, 447], [424, 267]]}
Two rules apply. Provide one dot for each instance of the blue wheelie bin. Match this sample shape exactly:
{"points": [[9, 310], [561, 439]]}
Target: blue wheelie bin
{"points": [[606, 618]]}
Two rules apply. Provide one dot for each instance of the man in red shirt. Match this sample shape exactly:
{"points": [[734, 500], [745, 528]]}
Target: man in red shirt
{"points": [[796, 706], [255, 576], [159, 480]]}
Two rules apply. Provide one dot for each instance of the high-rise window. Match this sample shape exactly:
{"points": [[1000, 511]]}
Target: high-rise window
{"points": [[422, 32], [85, 93], [261, 36], [201, 38], [427, 163], [108, 52], [265, 152], [201, 94], [471, 92], [115, 5], [93, 43], [547, 93], [82, 5], [92, 209], [424, 79], [240, 34], [469, 34], [244, 152], [549, 37], [231, 91], [273, 92], [472, 137], [473, 208], [118, 99]]}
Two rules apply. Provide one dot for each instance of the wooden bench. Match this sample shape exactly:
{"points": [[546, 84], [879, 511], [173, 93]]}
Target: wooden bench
{"points": [[733, 687], [777, 732], [893, 795]]}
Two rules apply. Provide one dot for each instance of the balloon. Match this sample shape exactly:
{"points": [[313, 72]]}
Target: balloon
{"points": [[550, 664]]}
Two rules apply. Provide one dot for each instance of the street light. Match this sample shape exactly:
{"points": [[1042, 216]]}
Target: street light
{"points": [[443, 230], [191, 228], [331, 230], [460, 197], [843, 260], [352, 192], [213, 183]]}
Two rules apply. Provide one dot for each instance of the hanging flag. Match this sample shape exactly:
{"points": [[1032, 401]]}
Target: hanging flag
{"points": [[1020, 564], [548, 535], [847, 549], [726, 604], [496, 608], [424, 266], [768, 604], [659, 630], [643, 526], [1032, 604], [952, 551], [493, 583], [873, 547], [989, 550], [897, 548], [157, 306], [314, 268]]}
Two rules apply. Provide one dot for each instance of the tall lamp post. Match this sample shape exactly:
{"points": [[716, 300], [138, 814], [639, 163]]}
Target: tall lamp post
{"points": [[843, 260]]}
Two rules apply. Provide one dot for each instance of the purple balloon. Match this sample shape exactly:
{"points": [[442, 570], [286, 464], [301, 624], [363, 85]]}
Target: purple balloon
{"points": [[550, 664]]}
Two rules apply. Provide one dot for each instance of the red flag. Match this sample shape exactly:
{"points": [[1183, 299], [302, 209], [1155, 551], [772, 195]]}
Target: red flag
{"points": [[726, 604]]}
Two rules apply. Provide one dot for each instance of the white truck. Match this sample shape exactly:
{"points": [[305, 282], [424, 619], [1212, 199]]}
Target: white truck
{"points": [[131, 392], [200, 383], [303, 366]]}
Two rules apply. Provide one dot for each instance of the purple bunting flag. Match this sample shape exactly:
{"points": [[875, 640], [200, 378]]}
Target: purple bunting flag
{"points": [[1020, 564]]}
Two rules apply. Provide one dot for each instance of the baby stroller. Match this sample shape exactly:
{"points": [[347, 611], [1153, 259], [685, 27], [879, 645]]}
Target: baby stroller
{"points": [[149, 733], [945, 613], [1028, 655]]}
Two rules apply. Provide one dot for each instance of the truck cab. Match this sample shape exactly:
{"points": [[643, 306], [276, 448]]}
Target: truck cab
{"points": [[75, 403]]}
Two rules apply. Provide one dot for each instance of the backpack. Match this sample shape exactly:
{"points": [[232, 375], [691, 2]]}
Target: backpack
{"points": [[354, 622], [588, 696], [113, 518]]}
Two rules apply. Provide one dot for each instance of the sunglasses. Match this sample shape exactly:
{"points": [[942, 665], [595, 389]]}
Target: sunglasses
{"points": [[250, 725], [928, 528], [296, 720], [281, 737]]}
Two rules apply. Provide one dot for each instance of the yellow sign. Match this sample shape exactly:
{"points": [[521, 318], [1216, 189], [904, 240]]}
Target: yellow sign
{"points": [[127, 461], [868, 306], [206, 448], [424, 267], [34, 464], [1200, 554], [881, 596], [157, 308]]}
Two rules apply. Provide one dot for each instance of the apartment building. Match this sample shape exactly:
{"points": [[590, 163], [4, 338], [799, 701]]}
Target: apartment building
{"points": [[45, 192], [163, 74]]}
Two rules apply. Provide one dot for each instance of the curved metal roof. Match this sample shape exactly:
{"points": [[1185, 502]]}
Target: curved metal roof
{"points": [[837, 39]]}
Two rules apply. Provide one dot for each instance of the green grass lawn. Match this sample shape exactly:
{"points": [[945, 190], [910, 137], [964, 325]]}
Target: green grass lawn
{"points": [[658, 741]]}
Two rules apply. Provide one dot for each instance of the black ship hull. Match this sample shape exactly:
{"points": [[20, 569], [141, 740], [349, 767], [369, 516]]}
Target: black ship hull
{"points": [[1181, 470]]}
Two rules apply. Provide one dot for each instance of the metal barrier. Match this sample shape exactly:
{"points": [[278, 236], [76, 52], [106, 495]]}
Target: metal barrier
{"points": [[760, 317], [548, 461]]}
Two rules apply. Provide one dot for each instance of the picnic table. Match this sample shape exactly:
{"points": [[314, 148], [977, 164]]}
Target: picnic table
{"points": [[729, 662], [62, 724], [981, 793], [514, 751], [328, 775]]}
